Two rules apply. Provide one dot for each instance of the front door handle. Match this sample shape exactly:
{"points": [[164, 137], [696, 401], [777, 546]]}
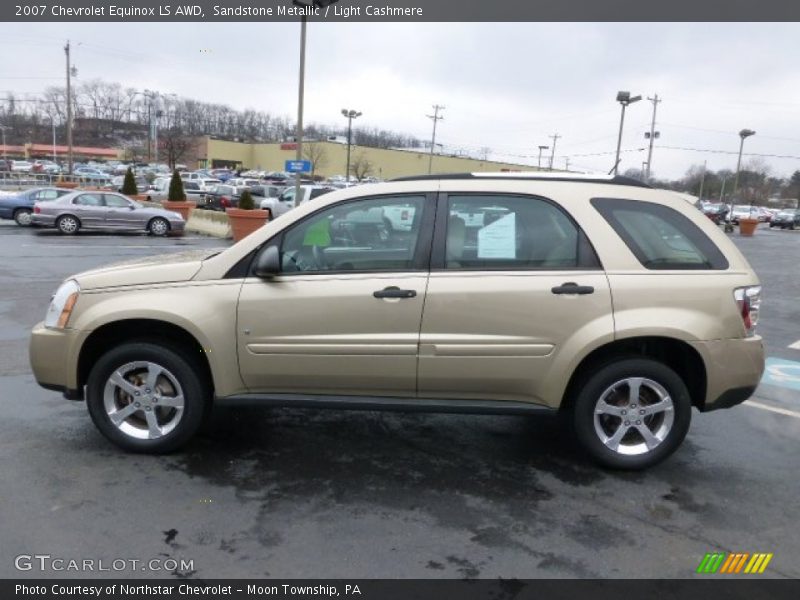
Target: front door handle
{"points": [[394, 292], [571, 287]]}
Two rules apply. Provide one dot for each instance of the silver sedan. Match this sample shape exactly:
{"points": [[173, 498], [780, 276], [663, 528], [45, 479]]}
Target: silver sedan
{"points": [[104, 210]]}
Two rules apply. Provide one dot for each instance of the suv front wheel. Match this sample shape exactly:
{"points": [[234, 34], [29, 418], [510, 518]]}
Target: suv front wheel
{"points": [[146, 397], [632, 413]]}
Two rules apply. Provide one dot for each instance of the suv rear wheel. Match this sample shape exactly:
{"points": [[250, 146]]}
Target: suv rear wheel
{"points": [[632, 413], [146, 397]]}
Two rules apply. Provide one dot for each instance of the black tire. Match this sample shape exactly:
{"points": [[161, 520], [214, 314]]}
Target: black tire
{"points": [[68, 224], [132, 434], [22, 217], [158, 227], [612, 376]]}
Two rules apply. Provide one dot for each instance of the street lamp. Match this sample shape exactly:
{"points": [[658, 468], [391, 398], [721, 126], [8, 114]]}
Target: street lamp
{"points": [[744, 133], [540, 155], [349, 115], [624, 98]]}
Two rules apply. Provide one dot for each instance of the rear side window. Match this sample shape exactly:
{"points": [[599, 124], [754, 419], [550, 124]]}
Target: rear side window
{"points": [[660, 237], [488, 232]]}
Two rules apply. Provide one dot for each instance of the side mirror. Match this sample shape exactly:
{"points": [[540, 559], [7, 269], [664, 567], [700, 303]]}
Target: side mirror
{"points": [[268, 263]]}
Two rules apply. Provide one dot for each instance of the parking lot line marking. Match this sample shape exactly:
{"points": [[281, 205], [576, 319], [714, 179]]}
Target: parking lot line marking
{"points": [[775, 409], [795, 346]]}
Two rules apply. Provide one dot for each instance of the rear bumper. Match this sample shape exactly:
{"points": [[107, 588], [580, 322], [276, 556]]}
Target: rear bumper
{"points": [[43, 220], [733, 370]]}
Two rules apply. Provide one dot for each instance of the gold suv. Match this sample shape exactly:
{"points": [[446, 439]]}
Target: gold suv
{"points": [[618, 305]]}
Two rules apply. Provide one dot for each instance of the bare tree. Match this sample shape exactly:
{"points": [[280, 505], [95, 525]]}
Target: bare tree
{"points": [[361, 167], [175, 144], [317, 154]]}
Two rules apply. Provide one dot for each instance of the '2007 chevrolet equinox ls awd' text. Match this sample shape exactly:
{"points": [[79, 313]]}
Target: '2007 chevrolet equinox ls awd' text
{"points": [[618, 305]]}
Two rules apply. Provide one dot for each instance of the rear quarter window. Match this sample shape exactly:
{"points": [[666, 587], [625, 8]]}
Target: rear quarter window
{"points": [[660, 237]]}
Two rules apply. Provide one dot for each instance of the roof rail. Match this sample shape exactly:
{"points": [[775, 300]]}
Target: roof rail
{"points": [[533, 176]]}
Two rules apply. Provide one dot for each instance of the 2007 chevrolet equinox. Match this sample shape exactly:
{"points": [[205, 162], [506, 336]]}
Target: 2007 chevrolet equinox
{"points": [[618, 305]]}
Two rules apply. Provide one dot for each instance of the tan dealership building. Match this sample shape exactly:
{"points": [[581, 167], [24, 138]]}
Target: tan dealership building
{"points": [[385, 163]]}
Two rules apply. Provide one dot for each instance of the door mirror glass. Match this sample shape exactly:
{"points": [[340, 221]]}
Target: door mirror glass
{"points": [[268, 263]]}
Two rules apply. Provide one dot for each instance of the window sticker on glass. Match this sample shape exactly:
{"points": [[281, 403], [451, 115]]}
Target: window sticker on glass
{"points": [[498, 239]]}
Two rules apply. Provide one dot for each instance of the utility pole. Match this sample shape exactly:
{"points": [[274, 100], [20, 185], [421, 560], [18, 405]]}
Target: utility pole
{"points": [[553, 137], [435, 117], [702, 181], [653, 134], [566, 161], [69, 112]]}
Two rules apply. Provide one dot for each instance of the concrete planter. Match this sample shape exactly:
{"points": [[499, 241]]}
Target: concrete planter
{"points": [[244, 222], [747, 227], [184, 208]]}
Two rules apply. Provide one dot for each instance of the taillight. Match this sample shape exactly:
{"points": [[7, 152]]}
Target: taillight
{"points": [[37, 210], [748, 300], [224, 201]]}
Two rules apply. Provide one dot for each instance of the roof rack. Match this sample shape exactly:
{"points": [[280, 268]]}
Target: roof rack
{"points": [[533, 176]]}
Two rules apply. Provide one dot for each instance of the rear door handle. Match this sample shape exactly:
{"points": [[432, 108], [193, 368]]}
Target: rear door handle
{"points": [[394, 292], [571, 287]]}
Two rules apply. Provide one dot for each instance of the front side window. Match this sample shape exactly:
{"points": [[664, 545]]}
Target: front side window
{"points": [[376, 234], [509, 232], [659, 236]]}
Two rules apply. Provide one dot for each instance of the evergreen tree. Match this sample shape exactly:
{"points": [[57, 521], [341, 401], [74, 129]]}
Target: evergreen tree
{"points": [[246, 200], [129, 185], [176, 193]]}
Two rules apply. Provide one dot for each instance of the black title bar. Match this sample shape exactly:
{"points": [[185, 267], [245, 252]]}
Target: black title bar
{"points": [[399, 10]]}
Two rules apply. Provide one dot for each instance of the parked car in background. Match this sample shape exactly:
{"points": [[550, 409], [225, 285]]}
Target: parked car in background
{"points": [[194, 192], [93, 175], [268, 197], [743, 211], [104, 210], [141, 183], [716, 211], [207, 183], [47, 167], [224, 196], [788, 218], [238, 181], [21, 166], [307, 192], [20, 206]]}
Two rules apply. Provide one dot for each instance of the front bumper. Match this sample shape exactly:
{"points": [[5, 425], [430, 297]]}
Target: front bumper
{"points": [[52, 360], [733, 370]]}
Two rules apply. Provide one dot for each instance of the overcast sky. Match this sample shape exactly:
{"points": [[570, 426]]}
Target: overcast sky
{"points": [[505, 86]]}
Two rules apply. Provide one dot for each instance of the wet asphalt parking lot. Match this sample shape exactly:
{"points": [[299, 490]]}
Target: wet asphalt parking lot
{"points": [[305, 493]]}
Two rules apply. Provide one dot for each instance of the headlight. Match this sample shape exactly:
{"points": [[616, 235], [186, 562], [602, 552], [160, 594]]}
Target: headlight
{"points": [[62, 304], [177, 216]]}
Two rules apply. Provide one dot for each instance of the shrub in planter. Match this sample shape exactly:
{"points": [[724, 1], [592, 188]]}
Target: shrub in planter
{"points": [[176, 197], [176, 193], [129, 184], [246, 218]]}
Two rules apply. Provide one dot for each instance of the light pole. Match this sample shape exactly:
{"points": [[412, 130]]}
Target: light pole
{"points": [[624, 98], [307, 4], [540, 155], [744, 133], [349, 115]]}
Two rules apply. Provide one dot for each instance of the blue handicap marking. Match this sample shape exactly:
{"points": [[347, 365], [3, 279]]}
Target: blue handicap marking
{"points": [[782, 373]]}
